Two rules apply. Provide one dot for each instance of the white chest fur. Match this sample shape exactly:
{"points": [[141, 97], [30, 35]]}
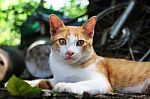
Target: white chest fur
{"points": [[64, 72], [74, 79]]}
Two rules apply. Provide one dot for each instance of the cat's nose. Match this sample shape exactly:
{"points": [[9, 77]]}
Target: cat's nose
{"points": [[69, 53]]}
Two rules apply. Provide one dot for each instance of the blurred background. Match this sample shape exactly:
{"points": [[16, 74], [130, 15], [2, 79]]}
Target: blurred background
{"points": [[14, 12], [122, 31]]}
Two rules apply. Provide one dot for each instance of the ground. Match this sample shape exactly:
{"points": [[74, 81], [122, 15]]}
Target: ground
{"points": [[5, 95]]}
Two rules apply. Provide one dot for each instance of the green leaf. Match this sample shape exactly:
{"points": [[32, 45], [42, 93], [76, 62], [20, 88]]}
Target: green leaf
{"points": [[36, 90], [53, 93], [18, 87]]}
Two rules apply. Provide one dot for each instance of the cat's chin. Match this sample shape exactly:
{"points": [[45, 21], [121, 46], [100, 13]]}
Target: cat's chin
{"points": [[71, 61]]}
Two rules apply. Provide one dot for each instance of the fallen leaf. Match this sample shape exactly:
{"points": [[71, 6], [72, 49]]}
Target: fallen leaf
{"points": [[17, 87]]}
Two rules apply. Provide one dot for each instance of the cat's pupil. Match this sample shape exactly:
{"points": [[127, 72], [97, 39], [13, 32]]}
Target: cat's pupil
{"points": [[80, 43], [62, 41]]}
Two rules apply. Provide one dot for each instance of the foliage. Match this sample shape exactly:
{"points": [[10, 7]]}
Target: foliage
{"points": [[75, 8], [18, 87], [12, 14]]}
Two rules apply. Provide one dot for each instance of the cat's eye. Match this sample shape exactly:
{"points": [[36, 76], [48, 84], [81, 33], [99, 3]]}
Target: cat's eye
{"points": [[80, 43], [62, 41]]}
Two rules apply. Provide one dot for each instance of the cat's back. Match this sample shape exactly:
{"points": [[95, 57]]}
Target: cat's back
{"points": [[123, 63], [127, 65]]}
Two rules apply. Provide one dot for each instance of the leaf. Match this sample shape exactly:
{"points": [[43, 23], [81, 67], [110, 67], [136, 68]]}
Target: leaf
{"points": [[53, 93], [18, 87], [36, 90]]}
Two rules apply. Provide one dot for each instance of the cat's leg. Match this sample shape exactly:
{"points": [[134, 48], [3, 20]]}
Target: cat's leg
{"points": [[142, 87], [42, 83], [91, 86]]}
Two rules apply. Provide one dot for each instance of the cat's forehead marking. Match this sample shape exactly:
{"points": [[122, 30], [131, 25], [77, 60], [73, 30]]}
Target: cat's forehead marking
{"points": [[72, 37]]}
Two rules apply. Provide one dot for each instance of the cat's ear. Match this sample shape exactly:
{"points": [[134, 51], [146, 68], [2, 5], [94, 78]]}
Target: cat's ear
{"points": [[89, 26], [55, 24]]}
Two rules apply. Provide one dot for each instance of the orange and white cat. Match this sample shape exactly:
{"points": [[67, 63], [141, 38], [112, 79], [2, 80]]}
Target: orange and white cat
{"points": [[76, 67]]}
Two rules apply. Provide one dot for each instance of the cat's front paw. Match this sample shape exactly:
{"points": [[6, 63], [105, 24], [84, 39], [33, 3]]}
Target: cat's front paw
{"points": [[41, 83], [71, 88], [63, 87], [45, 84]]}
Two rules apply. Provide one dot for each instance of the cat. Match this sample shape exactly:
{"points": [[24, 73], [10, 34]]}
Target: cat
{"points": [[77, 69]]}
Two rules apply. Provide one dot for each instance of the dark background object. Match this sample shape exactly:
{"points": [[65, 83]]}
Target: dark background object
{"points": [[11, 62]]}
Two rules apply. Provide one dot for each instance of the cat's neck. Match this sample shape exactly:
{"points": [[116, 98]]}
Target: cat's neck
{"points": [[89, 60]]}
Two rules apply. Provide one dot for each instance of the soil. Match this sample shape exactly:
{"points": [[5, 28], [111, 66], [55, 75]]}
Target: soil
{"points": [[4, 94]]}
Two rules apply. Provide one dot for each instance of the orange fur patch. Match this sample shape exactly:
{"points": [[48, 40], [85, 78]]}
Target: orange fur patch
{"points": [[45, 84], [124, 73]]}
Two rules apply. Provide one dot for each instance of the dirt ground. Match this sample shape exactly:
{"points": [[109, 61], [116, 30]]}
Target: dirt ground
{"points": [[5, 95]]}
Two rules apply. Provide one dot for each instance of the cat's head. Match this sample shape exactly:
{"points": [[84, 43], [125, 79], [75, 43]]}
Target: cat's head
{"points": [[72, 43]]}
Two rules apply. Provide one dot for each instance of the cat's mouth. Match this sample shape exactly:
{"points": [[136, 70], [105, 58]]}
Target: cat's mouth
{"points": [[70, 58]]}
